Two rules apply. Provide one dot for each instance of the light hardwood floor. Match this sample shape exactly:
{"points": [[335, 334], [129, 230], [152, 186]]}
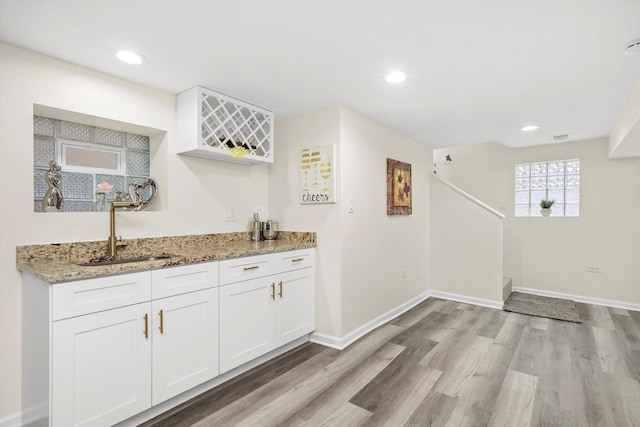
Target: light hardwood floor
{"points": [[444, 363]]}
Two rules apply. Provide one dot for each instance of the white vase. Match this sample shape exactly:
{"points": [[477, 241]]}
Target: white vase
{"points": [[545, 211]]}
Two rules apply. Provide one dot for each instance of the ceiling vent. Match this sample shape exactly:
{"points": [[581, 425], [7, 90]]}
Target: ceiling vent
{"points": [[561, 137], [633, 47]]}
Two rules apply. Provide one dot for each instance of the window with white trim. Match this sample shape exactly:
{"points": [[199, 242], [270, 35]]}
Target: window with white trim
{"points": [[88, 156], [558, 181]]}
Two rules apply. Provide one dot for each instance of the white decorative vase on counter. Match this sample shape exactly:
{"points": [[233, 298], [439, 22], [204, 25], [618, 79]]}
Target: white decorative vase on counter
{"points": [[545, 211]]}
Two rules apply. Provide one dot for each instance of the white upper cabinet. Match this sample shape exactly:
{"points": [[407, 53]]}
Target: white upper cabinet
{"points": [[216, 126]]}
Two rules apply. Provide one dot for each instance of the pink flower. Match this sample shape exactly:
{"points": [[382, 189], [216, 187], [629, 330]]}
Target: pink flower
{"points": [[104, 187]]}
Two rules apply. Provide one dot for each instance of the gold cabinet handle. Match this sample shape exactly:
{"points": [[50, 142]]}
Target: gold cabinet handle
{"points": [[273, 291], [255, 267], [146, 326], [280, 291], [161, 327], [297, 260]]}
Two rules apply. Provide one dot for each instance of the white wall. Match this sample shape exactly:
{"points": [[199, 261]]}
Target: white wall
{"points": [[360, 254], [376, 247], [552, 254], [624, 140], [466, 246], [292, 134], [194, 192]]}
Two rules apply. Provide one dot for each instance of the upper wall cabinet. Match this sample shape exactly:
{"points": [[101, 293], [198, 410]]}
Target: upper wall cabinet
{"points": [[219, 127]]}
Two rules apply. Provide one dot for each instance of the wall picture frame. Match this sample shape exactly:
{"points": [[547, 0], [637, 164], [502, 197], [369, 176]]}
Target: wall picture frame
{"points": [[399, 190], [317, 168]]}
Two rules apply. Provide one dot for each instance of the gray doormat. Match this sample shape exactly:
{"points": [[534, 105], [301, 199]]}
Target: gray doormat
{"points": [[534, 305]]}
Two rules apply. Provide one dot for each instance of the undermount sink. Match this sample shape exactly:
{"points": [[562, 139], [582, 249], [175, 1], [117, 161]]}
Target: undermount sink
{"points": [[108, 261]]}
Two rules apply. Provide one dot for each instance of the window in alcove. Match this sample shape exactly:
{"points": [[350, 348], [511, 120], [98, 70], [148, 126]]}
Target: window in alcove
{"points": [[88, 156]]}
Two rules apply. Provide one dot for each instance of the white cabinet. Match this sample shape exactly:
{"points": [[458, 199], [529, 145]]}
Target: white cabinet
{"points": [[260, 314], [124, 343], [97, 352], [185, 328], [216, 126], [185, 342], [295, 313], [246, 322], [101, 372]]}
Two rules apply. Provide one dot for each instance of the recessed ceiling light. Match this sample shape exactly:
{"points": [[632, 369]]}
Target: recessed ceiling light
{"points": [[130, 57], [395, 77], [529, 128]]}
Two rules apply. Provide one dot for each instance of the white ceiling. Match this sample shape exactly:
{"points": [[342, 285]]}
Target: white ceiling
{"points": [[477, 70]]}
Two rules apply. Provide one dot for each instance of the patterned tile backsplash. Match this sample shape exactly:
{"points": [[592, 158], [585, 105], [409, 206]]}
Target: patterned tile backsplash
{"points": [[108, 137], [138, 142], [75, 131], [79, 187], [43, 151], [137, 163], [44, 126]]}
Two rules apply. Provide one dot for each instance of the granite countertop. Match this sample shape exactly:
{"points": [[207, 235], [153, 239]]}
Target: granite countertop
{"points": [[56, 263]]}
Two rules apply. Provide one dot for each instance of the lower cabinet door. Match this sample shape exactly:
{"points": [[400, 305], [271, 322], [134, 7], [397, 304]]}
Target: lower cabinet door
{"points": [[185, 342], [101, 367], [246, 321], [295, 312]]}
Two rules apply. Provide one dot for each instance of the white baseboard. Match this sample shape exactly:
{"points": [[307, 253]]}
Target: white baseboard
{"points": [[468, 300], [344, 342], [340, 343], [11, 420], [579, 298]]}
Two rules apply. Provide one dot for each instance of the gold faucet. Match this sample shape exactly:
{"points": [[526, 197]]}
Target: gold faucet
{"points": [[112, 243]]}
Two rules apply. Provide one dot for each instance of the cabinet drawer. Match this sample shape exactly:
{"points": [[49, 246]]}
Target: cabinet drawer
{"points": [[179, 280], [89, 296], [294, 260], [238, 269]]}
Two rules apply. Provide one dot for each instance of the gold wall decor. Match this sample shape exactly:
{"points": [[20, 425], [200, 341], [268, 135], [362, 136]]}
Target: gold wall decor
{"points": [[399, 192], [317, 175]]}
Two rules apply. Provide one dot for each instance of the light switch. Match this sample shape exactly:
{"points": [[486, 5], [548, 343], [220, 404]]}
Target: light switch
{"points": [[229, 215]]}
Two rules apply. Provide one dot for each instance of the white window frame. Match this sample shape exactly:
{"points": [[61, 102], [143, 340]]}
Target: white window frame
{"points": [[533, 209], [61, 144]]}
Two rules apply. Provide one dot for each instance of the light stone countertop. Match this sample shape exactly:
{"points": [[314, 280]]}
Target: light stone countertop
{"points": [[56, 263]]}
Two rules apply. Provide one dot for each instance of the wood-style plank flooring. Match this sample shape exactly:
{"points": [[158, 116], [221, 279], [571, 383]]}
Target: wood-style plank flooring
{"points": [[444, 363]]}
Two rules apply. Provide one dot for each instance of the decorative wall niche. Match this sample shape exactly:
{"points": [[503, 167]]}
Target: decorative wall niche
{"points": [[91, 152]]}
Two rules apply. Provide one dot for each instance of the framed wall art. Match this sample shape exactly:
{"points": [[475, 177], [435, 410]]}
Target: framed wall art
{"points": [[398, 188], [318, 175]]}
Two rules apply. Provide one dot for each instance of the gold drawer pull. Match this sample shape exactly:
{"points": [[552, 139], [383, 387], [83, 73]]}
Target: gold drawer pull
{"points": [[280, 292], [255, 267], [146, 326], [273, 291], [297, 260], [161, 314]]}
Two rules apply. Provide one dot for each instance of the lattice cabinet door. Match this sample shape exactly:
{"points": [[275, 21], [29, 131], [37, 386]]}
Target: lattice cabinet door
{"points": [[216, 126]]}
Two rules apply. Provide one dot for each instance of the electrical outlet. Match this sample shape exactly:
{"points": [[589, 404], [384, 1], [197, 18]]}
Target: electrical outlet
{"points": [[403, 274], [229, 215], [594, 269]]}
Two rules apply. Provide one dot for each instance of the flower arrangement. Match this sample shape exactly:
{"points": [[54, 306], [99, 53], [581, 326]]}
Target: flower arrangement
{"points": [[101, 190], [104, 188]]}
